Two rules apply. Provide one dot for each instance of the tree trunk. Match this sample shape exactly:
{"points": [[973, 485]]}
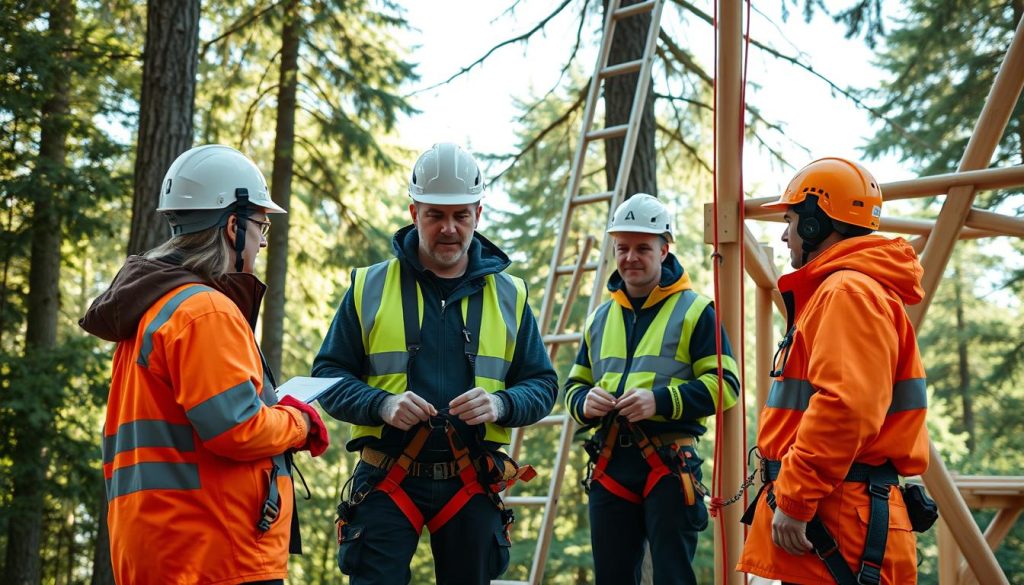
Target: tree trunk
{"points": [[628, 45], [281, 190], [165, 111], [29, 461], [967, 401]]}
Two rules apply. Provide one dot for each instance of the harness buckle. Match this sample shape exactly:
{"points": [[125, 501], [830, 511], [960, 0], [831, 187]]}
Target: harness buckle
{"points": [[625, 440], [827, 553], [870, 574], [437, 422], [439, 470], [877, 490], [270, 513]]}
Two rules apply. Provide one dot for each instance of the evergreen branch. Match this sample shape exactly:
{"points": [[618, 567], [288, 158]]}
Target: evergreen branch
{"points": [[523, 37], [847, 93], [685, 59], [238, 26], [250, 113], [540, 136], [677, 135], [565, 68]]}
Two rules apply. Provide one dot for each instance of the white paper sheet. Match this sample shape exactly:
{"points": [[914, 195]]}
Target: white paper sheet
{"points": [[304, 388]]}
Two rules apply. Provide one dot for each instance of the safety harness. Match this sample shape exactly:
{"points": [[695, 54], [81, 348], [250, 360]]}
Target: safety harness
{"points": [[662, 453], [482, 471], [878, 478]]}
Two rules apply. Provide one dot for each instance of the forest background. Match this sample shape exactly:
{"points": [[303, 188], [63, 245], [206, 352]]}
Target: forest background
{"points": [[332, 99]]}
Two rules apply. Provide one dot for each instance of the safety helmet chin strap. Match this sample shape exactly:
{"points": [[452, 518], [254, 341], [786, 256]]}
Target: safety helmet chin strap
{"points": [[813, 225], [241, 211]]}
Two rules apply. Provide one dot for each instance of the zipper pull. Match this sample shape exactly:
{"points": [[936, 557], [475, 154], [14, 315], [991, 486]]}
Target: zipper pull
{"points": [[442, 304], [465, 333]]}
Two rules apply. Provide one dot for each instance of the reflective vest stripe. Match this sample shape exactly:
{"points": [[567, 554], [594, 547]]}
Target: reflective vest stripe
{"points": [[662, 356], [148, 433], [224, 411], [152, 475], [377, 293], [910, 394], [162, 317], [795, 394]]}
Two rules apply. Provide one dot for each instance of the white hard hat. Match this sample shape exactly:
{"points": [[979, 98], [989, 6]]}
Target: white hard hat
{"points": [[210, 178], [446, 175], [642, 213]]}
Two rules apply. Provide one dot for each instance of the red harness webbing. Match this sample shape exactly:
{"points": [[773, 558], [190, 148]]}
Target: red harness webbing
{"points": [[471, 486], [650, 455]]}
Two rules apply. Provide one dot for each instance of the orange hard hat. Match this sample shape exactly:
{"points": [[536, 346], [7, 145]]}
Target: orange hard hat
{"points": [[846, 191]]}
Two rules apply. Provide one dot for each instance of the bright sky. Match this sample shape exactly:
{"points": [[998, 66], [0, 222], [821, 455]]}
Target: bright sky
{"points": [[477, 109]]}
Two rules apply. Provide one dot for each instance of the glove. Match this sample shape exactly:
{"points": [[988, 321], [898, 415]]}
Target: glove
{"points": [[317, 440]]}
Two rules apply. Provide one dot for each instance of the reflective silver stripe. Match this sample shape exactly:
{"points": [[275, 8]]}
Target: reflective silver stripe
{"points": [[282, 465], [491, 367], [269, 395], [608, 364], [663, 367], [154, 475], [790, 394], [507, 298], [598, 364], [911, 394], [162, 317], [387, 362], [373, 291], [670, 345], [147, 433], [224, 411]]}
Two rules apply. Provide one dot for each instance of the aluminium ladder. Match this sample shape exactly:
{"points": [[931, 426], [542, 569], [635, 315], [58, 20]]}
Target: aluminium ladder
{"points": [[556, 336]]}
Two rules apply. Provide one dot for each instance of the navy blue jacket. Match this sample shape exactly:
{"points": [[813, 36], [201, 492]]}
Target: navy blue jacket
{"points": [[696, 395], [440, 370]]}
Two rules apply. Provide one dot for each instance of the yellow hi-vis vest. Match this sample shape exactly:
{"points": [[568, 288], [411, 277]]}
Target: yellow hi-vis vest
{"points": [[378, 300], [662, 358]]}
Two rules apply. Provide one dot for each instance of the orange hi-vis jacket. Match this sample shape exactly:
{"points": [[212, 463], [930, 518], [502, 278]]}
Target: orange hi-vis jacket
{"points": [[851, 389], [190, 439]]}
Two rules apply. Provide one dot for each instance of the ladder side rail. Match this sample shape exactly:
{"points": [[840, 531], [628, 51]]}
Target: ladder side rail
{"points": [[540, 553], [593, 93], [629, 147]]}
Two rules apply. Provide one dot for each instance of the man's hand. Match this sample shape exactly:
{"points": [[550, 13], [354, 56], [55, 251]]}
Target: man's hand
{"points": [[790, 534], [477, 406], [636, 404], [406, 410], [598, 403]]}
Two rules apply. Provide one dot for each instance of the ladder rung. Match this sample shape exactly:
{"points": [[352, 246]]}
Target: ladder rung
{"points": [[622, 68], [562, 338], [592, 198], [634, 9], [525, 500], [570, 268], [550, 420], [606, 133]]}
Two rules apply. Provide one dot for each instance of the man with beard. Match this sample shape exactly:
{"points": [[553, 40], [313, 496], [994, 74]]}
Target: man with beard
{"points": [[440, 356]]}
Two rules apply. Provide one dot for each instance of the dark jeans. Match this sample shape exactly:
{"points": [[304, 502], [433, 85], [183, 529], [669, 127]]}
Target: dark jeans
{"points": [[619, 528], [469, 549]]}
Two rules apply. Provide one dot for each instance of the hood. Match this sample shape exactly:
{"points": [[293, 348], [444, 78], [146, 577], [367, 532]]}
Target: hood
{"points": [[891, 263], [115, 314], [673, 280], [485, 257]]}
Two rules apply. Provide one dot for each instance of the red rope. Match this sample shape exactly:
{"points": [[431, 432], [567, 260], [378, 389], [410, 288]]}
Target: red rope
{"points": [[716, 481], [743, 254]]}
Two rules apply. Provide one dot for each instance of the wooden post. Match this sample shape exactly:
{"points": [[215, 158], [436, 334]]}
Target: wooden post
{"points": [[728, 116]]}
